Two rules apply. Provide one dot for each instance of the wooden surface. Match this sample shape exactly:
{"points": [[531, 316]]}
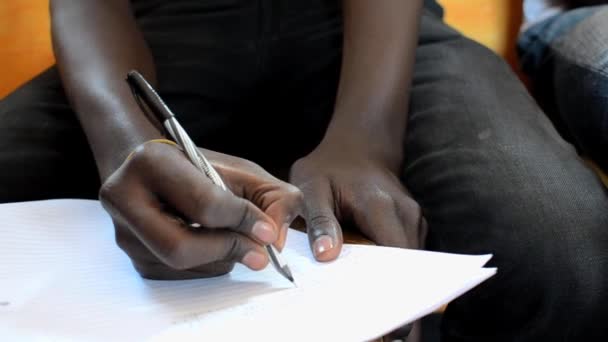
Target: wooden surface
{"points": [[25, 42], [494, 23]]}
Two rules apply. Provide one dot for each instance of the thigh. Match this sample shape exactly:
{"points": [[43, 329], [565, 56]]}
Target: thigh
{"points": [[205, 53], [43, 151], [493, 176], [304, 74], [242, 75]]}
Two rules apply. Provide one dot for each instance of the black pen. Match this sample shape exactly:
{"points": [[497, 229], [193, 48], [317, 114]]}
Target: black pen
{"points": [[143, 92]]}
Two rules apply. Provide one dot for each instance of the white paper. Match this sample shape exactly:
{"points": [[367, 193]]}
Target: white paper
{"points": [[63, 278]]}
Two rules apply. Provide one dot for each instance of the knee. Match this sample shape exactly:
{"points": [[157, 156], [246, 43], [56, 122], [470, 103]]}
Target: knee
{"points": [[548, 287], [565, 283]]}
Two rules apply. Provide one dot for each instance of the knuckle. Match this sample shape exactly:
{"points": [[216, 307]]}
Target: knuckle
{"points": [[122, 244], [242, 163], [141, 156], [299, 168], [295, 195], [294, 191], [120, 240], [248, 164], [409, 207], [383, 198], [245, 213], [108, 189], [321, 221], [233, 248], [311, 186], [174, 254], [111, 196], [218, 210], [301, 163], [105, 196], [146, 156], [203, 205]]}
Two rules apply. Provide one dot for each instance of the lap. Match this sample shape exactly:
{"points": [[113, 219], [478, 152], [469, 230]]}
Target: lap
{"points": [[43, 152], [489, 170], [493, 176], [231, 95]]}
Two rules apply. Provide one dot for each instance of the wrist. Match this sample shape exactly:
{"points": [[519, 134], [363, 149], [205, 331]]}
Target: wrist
{"points": [[366, 144], [112, 151]]}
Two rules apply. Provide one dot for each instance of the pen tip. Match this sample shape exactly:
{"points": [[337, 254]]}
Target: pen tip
{"points": [[287, 274]]}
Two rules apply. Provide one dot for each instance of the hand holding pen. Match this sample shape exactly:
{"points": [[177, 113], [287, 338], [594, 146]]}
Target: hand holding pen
{"points": [[157, 182]]}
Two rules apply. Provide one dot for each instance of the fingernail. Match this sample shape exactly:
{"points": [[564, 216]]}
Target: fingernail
{"points": [[264, 232], [255, 260], [322, 244]]}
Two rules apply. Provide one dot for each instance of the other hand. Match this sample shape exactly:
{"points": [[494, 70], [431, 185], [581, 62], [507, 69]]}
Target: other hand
{"points": [[343, 185]]}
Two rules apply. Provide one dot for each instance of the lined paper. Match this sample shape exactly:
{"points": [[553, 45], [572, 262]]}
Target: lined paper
{"points": [[63, 278]]}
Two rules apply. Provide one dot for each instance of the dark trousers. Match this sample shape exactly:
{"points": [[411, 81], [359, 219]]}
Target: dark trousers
{"points": [[566, 57], [258, 79]]}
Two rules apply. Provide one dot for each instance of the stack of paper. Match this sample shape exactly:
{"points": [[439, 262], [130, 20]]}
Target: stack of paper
{"points": [[63, 278]]}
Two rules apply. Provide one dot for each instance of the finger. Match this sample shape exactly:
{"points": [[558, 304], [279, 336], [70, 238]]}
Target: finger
{"points": [[181, 248], [381, 221], [289, 205], [150, 267], [324, 232], [280, 244], [203, 202], [412, 220], [157, 270], [280, 200], [378, 220]]}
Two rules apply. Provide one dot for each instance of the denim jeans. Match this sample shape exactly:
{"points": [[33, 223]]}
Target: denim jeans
{"points": [[488, 168], [566, 57]]}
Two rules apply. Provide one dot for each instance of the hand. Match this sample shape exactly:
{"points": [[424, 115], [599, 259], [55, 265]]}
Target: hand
{"points": [[146, 192], [345, 185]]}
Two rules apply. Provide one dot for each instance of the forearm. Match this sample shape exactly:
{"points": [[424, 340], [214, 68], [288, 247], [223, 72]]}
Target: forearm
{"points": [[380, 39], [96, 42]]}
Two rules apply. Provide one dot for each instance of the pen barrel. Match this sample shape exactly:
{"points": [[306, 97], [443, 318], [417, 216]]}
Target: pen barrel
{"points": [[178, 133], [142, 89], [150, 97]]}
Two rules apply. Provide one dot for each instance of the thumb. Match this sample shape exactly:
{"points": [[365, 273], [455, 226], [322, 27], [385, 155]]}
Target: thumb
{"points": [[324, 232]]}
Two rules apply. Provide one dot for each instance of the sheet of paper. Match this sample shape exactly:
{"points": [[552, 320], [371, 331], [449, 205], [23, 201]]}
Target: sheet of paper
{"points": [[63, 278]]}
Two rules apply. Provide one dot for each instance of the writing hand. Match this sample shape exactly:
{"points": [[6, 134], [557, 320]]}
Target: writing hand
{"points": [[144, 195]]}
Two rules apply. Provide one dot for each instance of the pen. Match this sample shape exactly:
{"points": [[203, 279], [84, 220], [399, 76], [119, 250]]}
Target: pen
{"points": [[143, 92]]}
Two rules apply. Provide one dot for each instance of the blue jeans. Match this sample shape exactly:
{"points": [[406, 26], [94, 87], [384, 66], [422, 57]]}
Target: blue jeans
{"points": [[566, 58]]}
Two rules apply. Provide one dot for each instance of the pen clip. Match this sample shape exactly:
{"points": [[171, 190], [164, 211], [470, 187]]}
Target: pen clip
{"points": [[144, 108]]}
